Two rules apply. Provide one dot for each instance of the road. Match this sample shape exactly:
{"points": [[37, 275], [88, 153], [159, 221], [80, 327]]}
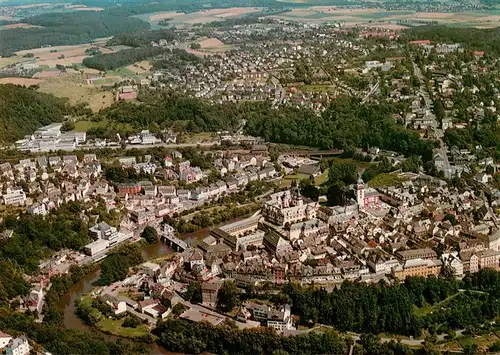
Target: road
{"points": [[147, 146], [436, 131], [357, 336]]}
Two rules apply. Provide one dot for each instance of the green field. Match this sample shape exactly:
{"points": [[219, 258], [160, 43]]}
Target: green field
{"points": [[105, 81], [114, 326], [385, 180], [123, 72]]}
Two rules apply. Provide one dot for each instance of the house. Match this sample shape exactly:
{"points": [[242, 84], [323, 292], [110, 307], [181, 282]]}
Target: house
{"points": [[118, 306], [279, 319], [18, 346], [4, 339], [143, 306], [209, 293], [150, 269], [310, 170]]}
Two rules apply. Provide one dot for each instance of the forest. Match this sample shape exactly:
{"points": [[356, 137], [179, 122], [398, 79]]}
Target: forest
{"points": [[23, 110], [35, 238], [115, 267], [68, 28], [166, 108], [344, 125], [392, 309], [181, 336], [110, 61], [487, 40]]}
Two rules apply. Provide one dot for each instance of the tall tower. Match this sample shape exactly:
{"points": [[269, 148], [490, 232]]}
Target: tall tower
{"points": [[360, 194]]}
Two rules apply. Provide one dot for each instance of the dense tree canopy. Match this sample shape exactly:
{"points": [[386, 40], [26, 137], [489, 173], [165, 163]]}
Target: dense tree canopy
{"points": [[150, 235], [68, 28], [23, 110], [345, 124], [142, 38], [121, 58], [115, 267], [59, 340], [185, 337]]}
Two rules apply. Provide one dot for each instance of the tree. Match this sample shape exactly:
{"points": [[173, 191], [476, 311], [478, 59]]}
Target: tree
{"points": [[228, 296], [150, 235], [345, 172], [470, 349], [308, 189], [113, 268], [336, 195], [451, 218], [193, 292], [131, 322]]}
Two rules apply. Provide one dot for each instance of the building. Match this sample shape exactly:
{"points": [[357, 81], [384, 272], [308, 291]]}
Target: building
{"points": [[4, 340], [150, 269], [96, 247], [129, 188], [425, 253], [18, 346], [488, 259], [14, 197], [38, 209], [118, 306], [288, 207], [417, 267], [279, 319], [310, 170], [366, 197], [209, 292]]}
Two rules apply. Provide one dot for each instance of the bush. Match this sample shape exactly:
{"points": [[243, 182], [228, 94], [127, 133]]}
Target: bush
{"points": [[131, 322]]}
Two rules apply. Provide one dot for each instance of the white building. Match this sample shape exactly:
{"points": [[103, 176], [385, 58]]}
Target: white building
{"points": [[14, 197], [288, 207], [38, 209], [18, 346], [96, 247], [4, 340]]}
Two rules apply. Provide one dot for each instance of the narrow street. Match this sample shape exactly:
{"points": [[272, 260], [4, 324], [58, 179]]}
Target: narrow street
{"points": [[436, 130]]}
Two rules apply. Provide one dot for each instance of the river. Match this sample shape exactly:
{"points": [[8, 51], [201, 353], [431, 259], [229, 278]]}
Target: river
{"points": [[67, 302]]}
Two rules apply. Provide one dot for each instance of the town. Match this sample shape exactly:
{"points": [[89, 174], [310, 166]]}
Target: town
{"points": [[290, 173]]}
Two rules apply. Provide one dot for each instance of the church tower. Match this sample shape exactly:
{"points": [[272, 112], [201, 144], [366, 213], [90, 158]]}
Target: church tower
{"points": [[360, 194]]}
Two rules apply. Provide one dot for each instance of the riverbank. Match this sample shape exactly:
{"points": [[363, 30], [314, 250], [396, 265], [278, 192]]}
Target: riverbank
{"points": [[101, 316], [67, 303]]}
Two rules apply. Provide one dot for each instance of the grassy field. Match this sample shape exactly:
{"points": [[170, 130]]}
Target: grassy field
{"points": [[287, 181], [114, 326], [75, 88], [316, 88], [7, 61], [106, 81], [199, 137], [123, 72], [320, 180], [422, 311], [385, 180]]}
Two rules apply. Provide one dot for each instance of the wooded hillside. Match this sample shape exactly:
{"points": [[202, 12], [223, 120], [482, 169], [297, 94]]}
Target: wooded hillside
{"points": [[23, 110]]}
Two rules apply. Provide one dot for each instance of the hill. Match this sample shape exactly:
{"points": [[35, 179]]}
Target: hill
{"points": [[68, 28], [23, 110]]}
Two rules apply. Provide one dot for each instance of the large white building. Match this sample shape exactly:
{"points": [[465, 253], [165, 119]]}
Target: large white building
{"points": [[14, 197], [288, 207], [50, 138]]}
